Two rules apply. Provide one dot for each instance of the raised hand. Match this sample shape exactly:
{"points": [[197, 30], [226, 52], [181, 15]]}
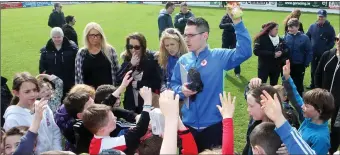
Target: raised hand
{"points": [[146, 94], [127, 79], [228, 105], [234, 11], [272, 108], [282, 150], [135, 60], [254, 83], [169, 104], [39, 109], [286, 70]]}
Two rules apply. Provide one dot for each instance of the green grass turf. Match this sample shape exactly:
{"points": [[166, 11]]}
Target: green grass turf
{"points": [[25, 31]]}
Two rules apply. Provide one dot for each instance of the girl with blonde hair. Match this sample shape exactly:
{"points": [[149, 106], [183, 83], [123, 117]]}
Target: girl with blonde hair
{"points": [[172, 46], [96, 62]]}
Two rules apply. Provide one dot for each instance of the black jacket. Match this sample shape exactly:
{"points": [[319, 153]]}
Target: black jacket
{"points": [[265, 50], [6, 97], [228, 35], [70, 33], [60, 63], [180, 24], [327, 74], [56, 19], [152, 78]]}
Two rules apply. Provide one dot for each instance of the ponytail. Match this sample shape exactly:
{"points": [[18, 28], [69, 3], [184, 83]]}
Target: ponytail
{"points": [[15, 100]]}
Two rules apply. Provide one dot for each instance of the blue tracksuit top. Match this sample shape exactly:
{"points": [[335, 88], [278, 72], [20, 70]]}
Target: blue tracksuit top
{"points": [[210, 63], [300, 48], [172, 60], [315, 135]]}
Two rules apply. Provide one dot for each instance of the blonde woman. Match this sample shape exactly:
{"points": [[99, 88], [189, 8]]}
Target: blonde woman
{"points": [[96, 62], [172, 46], [294, 14]]}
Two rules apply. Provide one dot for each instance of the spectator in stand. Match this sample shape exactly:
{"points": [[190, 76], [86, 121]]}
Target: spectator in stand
{"points": [[145, 71], [327, 76], [25, 89], [300, 52], [296, 13], [199, 115], [68, 29], [6, 97], [164, 18], [58, 58], [271, 52], [182, 17], [96, 62], [172, 47], [57, 18], [229, 37], [322, 34]]}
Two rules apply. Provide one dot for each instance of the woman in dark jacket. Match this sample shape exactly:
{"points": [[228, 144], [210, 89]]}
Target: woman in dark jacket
{"points": [[327, 76], [271, 52], [146, 71], [58, 58], [229, 38], [96, 62]]}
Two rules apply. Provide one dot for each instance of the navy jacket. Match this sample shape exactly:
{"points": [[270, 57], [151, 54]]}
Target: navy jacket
{"points": [[300, 49], [164, 21], [181, 20], [56, 19], [60, 63], [322, 37]]}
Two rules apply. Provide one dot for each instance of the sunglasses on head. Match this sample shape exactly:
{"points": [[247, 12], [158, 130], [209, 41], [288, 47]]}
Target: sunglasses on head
{"points": [[130, 47], [337, 38], [172, 31]]}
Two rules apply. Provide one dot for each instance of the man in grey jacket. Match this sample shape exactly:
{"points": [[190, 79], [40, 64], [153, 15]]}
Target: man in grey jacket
{"points": [[182, 17]]}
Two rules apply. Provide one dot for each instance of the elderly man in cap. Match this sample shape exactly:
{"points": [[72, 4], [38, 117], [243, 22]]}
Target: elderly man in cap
{"points": [[57, 18], [322, 34]]}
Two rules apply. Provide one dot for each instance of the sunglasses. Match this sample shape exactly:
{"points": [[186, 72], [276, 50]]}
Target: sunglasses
{"points": [[337, 39], [130, 47], [95, 35]]}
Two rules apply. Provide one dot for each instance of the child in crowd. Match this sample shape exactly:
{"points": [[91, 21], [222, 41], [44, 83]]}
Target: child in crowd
{"points": [[317, 106], [291, 114], [47, 92], [65, 122], [100, 120], [266, 139], [227, 112], [12, 139], [20, 113]]}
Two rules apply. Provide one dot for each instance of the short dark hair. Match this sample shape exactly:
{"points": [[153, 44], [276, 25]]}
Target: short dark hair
{"points": [[18, 130], [69, 19], [322, 100], [56, 4], [264, 135], [293, 22], [96, 117], [150, 146], [75, 102], [169, 4], [103, 91], [201, 24]]}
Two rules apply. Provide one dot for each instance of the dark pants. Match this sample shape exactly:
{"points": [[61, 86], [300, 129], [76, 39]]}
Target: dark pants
{"points": [[335, 132], [208, 138], [273, 73], [231, 44], [297, 72], [314, 65]]}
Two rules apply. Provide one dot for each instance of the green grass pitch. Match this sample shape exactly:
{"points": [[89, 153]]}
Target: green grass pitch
{"points": [[24, 31]]}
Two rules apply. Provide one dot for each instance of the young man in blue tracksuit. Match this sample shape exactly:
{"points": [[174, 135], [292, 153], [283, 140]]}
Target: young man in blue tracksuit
{"points": [[322, 36], [200, 115], [164, 18], [300, 52]]}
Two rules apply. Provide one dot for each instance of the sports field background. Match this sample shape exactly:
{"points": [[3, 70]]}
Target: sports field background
{"points": [[24, 31]]}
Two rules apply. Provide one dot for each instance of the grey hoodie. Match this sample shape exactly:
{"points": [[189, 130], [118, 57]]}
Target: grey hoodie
{"points": [[49, 137]]}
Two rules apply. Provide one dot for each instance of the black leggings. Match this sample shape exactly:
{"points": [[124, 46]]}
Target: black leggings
{"points": [[273, 73]]}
